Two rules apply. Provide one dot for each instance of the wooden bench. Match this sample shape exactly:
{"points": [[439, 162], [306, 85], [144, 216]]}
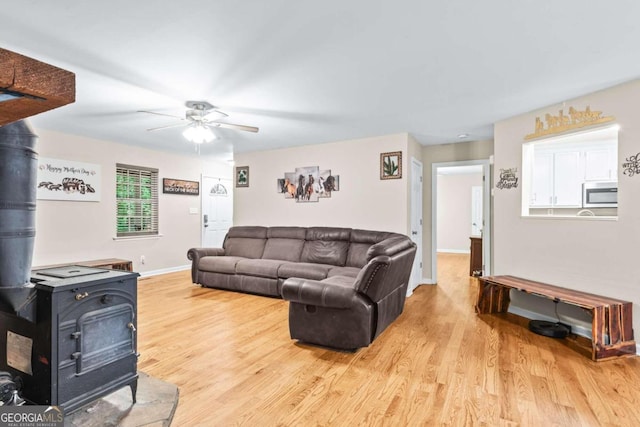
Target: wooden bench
{"points": [[112, 263], [611, 317]]}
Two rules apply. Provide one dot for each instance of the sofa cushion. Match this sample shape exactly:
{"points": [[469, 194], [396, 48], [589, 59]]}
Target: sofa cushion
{"points": [[298, 233], [328, 233], [284, 243], [304, 270], [357, 256], [245, 241], [344, 271], [259, 267], [219, 264], [250, 231], [321, 252], [361, 241], [326, 245], [283, 249]]}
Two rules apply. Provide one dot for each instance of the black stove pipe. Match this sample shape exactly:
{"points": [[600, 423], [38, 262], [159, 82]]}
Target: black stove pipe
{"points": [[18, 175]]}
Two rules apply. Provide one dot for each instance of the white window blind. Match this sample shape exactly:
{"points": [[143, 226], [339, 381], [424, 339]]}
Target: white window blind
{"points": [[136, 200]]}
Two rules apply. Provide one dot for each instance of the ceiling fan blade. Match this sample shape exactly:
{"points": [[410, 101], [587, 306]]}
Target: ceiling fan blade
{"points": [[167, 127], [233, 126], [212, 115], [161, 114]]}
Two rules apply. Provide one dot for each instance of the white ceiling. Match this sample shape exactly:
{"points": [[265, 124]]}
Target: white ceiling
{"points": [[311, 72]]}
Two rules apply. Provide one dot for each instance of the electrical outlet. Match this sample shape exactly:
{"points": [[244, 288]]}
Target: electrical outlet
{"points": [[142, 260]]}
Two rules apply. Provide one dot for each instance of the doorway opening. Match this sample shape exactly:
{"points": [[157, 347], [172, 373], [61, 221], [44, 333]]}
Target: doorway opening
{"points": [[461, 212]]}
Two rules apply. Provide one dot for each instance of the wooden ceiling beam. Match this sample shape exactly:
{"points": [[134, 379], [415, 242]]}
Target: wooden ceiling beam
{"points": [[42, 87]]}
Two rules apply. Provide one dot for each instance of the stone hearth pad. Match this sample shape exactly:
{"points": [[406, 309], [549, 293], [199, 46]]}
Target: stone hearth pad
{"points": [[156, 404]]}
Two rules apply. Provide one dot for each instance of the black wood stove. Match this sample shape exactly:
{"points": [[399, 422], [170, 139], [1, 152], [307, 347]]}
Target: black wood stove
{"points": [[83, 343], [67, 334]]}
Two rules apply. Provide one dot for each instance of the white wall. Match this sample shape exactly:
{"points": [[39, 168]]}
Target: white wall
{"points": [[364, 200], [600, 257], [76, 231], [454, 211]]}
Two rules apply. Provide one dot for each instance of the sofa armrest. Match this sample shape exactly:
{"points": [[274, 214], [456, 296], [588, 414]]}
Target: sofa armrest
{"points": [[195, 254], [389, 247], [314, 292]]}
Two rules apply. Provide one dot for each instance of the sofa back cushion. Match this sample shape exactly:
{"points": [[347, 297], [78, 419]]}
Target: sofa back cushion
{"points": [[361, 241], [284, 243], [326, 245], [245, 241]]}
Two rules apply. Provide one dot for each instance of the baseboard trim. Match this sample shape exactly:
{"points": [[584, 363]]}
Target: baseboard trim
{"points": [[454, 251], [165, 270]]}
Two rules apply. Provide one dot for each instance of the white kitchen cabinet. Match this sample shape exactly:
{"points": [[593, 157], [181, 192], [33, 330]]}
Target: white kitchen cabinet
{"points": [[567, 182], [542, 182], [557, 180], [601, 165]]}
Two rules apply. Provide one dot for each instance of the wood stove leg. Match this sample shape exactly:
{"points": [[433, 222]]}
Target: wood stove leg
{"points": [[134, 390]]}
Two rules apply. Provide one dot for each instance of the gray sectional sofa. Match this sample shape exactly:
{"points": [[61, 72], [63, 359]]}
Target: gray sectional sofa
{"points": [[345, 286]]}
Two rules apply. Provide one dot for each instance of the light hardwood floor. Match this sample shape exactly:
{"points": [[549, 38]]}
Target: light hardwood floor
{"points": [[438, 364]]}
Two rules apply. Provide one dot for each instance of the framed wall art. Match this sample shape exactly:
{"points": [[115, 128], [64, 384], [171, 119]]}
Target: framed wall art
{"points": [[242, 176], [391, 165], [308, 184], [180, 186], [60, 179]]}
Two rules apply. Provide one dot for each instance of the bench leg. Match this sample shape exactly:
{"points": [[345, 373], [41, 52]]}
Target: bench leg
{"points": [[492, 298]]}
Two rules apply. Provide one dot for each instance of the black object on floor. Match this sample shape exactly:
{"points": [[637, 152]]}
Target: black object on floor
{"points": [[549, 329]]}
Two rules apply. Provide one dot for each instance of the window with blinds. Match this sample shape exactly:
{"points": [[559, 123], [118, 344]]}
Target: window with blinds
{"points": [[136, 201]]}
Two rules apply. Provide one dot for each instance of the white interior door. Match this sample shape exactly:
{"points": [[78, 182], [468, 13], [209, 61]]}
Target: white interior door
{"points": [[416, 223], [217, 210]]}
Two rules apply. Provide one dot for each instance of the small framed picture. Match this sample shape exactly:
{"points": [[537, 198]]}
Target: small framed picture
{"points": [[242, 176], [391, 165]]}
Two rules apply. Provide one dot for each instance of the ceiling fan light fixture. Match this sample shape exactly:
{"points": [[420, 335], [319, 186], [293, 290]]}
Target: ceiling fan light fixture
{"points": [[198, 134]]}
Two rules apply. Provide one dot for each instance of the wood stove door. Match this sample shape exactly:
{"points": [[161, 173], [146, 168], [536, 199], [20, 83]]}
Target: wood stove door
{"points": [[97, 342], [106, 335]]}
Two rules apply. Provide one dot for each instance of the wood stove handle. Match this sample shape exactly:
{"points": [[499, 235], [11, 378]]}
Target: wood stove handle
{"points": [[82, 296]]}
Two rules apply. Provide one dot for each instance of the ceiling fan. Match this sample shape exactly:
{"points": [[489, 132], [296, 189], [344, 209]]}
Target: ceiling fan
{"points": [[199, 118]]}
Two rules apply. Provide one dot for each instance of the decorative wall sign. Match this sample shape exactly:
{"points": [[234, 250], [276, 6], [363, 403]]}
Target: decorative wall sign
{"points": [[562, 123], [508, 179], [180, 186], [632, 165], [242, 176], [68, 180], [391, 165], [308, 184]]}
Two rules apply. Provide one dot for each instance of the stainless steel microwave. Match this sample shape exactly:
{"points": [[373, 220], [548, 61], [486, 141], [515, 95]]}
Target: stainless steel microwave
{"points": [[600, 194]]}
